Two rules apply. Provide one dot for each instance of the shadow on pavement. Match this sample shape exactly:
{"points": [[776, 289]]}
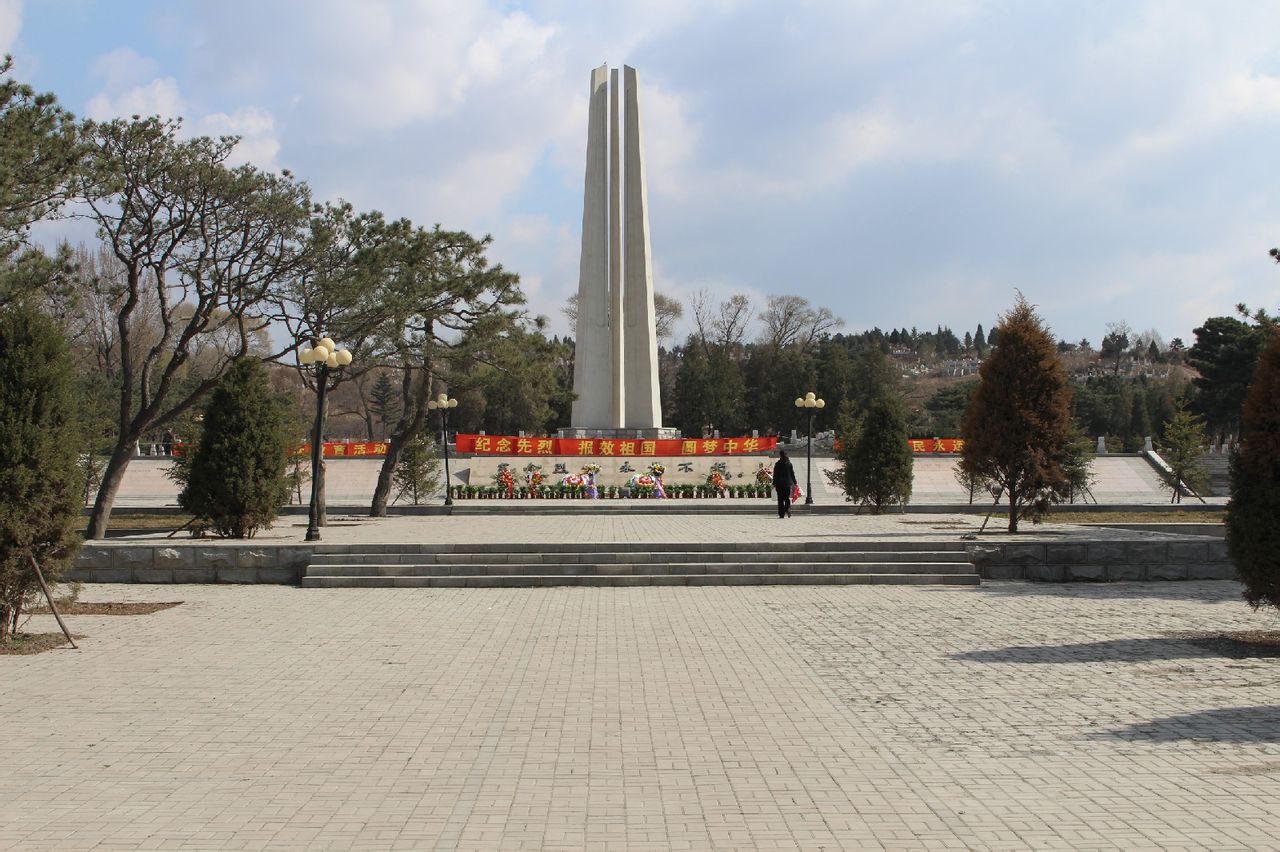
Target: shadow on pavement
{"points": [[1112, 650], [1177, 647], [1230, 724], [1205, 591]]}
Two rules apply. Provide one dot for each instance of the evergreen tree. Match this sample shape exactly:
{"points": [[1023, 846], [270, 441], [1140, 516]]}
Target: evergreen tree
{"points": [[1139, 420], [993, 336], [980, 340], [968, 342], [1253, 535], [1077, 464], [878, 464], [385, 401], [871, 375], [1181, 446], [417, 475], [39, 476], [237, 479], [1225, 354], [1018, 423]]}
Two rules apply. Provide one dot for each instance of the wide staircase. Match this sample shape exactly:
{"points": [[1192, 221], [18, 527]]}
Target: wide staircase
{"points": [[613, 564]]}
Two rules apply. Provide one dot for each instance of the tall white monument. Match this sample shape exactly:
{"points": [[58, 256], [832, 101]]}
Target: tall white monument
{"points": [[615, 371]]}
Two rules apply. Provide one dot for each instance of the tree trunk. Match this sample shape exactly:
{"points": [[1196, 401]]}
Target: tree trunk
{"points": [[322, 519], [382, 491], [1013, 512], [112, 477]]}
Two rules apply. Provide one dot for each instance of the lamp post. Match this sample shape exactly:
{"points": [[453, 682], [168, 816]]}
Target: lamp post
{"points": [[809, 402], [444, 403], [325, 357]]}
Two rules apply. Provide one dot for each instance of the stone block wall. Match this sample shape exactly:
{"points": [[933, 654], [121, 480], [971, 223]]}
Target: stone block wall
{"points": [[1104, 561], [104, 562]]}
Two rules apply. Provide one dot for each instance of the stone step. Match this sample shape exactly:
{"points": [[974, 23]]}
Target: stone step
{"points": [[605, 558], [536, 580], [638, 568], [652, 547]]}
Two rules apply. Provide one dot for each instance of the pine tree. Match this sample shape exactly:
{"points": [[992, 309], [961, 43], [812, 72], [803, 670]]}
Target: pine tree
{"points": [[980, 340], [1253, 536], [39, 475], [1018, 424], [237, 479], [878, 465]]}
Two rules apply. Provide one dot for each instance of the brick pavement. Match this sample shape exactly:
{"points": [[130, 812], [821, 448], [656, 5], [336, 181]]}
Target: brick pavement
{"points": [[1006, 716]]}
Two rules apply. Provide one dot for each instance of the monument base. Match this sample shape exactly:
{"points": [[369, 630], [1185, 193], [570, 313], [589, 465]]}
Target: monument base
{"points": [[659, 433]]}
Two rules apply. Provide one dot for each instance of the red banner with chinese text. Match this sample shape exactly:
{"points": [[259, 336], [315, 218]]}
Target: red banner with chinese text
{"points": [[930, 445], [936, 445], [506, 445], [346, 449]]}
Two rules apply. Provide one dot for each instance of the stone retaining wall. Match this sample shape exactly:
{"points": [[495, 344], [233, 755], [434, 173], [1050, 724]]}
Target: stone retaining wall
{"points": [[1103, 561], [189, 563]]}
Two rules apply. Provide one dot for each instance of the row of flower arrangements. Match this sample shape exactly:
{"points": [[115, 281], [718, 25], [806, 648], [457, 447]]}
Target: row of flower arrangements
{"points": [[583, 485], [640, 489]]}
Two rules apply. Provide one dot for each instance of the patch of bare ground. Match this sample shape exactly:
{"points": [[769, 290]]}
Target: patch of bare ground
{"points": [[106, 608], [33, 643], [1103, 518], [1238, 645]]}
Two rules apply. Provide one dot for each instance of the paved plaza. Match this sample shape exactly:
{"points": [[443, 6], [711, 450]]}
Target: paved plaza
{"points": [[1010, 715], [350, 482]]}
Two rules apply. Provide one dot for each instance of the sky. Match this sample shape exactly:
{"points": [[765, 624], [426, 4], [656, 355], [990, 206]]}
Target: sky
{"points": [[901, 163]]}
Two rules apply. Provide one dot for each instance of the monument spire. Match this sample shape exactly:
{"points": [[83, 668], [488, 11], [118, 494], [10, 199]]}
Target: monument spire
{"points": [[615, 369], [591, 379]]}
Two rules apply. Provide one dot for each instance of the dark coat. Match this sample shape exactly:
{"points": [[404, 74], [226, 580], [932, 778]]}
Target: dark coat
{"points": [[784, 476]]}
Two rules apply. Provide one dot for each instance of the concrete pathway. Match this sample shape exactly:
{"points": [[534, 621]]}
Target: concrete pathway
{"points": [[1005, 716]]}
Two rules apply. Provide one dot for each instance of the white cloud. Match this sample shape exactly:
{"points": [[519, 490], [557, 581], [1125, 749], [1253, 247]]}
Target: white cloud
{"points": [[126, 92], [124, 68], [10, 23], [157, 97], [256, 129]]}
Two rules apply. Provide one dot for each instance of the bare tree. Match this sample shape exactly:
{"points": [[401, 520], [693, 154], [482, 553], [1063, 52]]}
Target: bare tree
{"points": [[792, 320], [732, 322]]}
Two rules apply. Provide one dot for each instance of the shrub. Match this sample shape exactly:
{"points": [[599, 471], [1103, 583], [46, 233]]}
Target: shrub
{"points": [[1181, 446], [878, 466], [237, 478], [40, 478], [417, 474]]}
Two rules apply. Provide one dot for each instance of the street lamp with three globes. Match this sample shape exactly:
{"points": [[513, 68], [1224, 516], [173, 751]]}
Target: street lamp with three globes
{"points": [[443, 403], [324, 357], [810, 403]]}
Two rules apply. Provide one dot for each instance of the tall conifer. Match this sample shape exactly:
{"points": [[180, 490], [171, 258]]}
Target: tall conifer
{"points": [[1017, 428], [39, 476], [1253, 533]]}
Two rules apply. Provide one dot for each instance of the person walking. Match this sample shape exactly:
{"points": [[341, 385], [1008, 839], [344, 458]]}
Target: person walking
{"points": [[784, 482]]}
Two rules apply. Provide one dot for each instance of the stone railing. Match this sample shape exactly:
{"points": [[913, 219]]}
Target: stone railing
{"points": [[104, 562]]}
